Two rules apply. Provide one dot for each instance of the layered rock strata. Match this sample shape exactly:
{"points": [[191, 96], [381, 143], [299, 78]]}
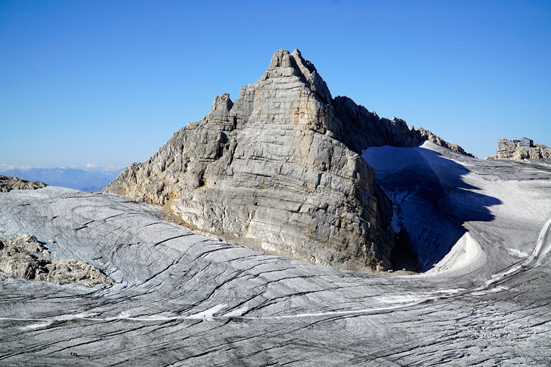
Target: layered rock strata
{"points": [[15, 183], [513, 149], [279, 171], [24, 257]]}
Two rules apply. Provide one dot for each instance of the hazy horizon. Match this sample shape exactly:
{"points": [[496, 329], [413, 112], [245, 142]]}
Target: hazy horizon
{"points": [[91, 178]]}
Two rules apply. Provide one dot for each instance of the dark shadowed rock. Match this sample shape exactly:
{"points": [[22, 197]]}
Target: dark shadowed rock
{"points": [[360, 129]]}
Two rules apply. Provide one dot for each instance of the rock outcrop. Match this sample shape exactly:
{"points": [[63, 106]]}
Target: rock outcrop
{"points": [[24, 257], [513, 149], [279, 171], [15, 183]]}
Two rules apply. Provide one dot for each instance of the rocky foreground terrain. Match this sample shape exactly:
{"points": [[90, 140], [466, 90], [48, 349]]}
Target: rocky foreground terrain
{"points": [[182, 299], [15, 183], [26, 258]]}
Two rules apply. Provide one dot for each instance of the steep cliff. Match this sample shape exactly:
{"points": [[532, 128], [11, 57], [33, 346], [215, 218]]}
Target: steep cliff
{"points": [[279, 171]]}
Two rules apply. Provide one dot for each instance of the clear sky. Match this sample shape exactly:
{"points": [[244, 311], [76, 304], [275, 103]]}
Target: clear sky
{"points": [[108, 82]]}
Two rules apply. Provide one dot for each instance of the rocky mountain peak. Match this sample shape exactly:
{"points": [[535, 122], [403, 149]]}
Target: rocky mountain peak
{"points": [[285, 64], [281, 59], [279, 170]]}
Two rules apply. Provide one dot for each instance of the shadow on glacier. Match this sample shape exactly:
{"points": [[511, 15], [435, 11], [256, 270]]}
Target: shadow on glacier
{"points": [[430, 198]]}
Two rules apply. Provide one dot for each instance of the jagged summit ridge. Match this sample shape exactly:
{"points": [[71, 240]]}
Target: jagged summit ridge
{"points": [[343, 119], [286, 64], [312, 105], [279, 171]]}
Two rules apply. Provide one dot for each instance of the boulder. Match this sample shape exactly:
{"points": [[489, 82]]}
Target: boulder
{"points": [[24, 257], [513, 149]]}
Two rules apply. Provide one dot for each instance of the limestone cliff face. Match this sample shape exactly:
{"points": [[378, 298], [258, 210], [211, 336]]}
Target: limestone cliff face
{"points": [[512, 149], [278, 171]]}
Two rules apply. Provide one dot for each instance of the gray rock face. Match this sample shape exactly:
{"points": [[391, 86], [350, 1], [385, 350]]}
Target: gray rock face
{"points": [[15, 183], [512, 149], [24, 257], [279, 171]]}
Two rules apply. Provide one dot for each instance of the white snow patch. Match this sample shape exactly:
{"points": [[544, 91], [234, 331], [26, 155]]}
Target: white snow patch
{"points": [[517, 253], [208, 315], [84, 315], [449, 292], [466, 254], [490, 290], [36, 326], [123, 315], [238, 312], [405, 298]]}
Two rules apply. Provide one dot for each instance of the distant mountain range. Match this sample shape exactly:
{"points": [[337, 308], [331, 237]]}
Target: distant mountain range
{"points": [[90, 180]]}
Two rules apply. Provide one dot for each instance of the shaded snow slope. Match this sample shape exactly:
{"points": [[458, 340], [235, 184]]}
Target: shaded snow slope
{"points": [[186, 300], [439, 196]]}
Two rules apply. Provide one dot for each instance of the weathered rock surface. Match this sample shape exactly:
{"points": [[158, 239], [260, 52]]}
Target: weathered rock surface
{"points": [[15, 183], [279, 171], [185, 300], [512, 149], [26, 258]]}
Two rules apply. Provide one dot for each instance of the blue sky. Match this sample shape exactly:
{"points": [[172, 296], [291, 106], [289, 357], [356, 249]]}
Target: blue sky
{"points": [[108, 82]]}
